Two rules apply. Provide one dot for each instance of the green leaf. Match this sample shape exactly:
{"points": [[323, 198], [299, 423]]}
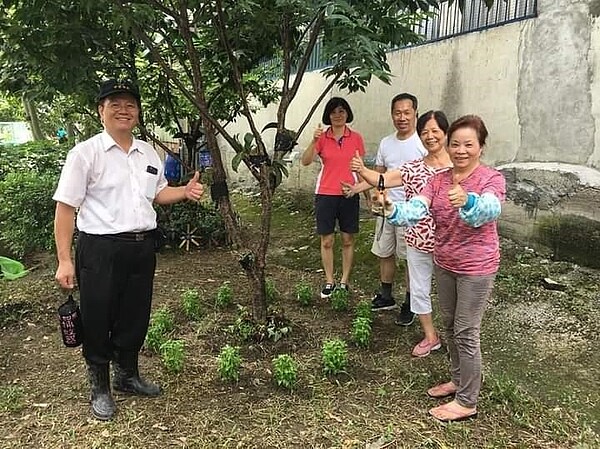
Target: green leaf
{"points": [[237, 159]]}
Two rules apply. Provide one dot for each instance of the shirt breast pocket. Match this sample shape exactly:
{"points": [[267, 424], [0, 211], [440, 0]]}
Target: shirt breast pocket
{"points": [[150, 180]]}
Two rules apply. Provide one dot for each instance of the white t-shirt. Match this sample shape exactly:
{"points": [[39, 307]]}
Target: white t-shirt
{"points": [[113, 190], [393, 152]]}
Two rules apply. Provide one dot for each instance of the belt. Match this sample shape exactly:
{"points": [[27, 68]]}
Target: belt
{"points": [[126, 236]]}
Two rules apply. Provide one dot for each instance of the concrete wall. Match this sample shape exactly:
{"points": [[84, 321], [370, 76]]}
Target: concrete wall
{"points": [[536, 84]]}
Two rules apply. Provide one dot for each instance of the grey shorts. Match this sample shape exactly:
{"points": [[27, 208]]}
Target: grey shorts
{"points": [[388, 241]]}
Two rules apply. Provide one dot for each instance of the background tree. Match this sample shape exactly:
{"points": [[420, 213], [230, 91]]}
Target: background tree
{"points": [[205, 61]]}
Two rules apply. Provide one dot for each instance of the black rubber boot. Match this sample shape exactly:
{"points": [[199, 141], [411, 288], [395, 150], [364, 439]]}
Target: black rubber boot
{"points": [[103, 404], [126, 377]]}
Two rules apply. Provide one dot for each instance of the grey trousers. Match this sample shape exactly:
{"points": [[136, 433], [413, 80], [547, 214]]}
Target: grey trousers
{"points": [[462, 302]]}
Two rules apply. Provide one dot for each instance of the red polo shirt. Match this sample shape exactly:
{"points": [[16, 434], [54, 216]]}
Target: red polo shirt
{"points": [[335, 160]]}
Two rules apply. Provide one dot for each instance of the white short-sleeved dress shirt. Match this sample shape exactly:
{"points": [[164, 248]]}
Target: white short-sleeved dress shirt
{"points": [[394, 152], [113, 190]]}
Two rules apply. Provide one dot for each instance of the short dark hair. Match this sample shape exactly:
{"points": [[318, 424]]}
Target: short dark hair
{"points": [[470, 121], [406, 96], [333, 103], [439, 117]]}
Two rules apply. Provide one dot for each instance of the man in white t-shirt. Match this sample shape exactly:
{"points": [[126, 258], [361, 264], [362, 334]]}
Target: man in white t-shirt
{"points": [[394, 150]]}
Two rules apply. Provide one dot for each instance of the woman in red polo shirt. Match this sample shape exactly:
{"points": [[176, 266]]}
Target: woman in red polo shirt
{"points": [[335, 146]]}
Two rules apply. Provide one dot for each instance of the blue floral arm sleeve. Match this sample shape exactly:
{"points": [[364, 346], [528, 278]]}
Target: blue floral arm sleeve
{"points": [[408, 213], [480, 210]]}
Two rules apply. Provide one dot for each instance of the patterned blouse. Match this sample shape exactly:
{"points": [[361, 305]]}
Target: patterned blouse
{"points": [[415, 175]]}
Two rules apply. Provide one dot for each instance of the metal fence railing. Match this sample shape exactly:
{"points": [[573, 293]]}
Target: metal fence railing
{"points": [[450, 21]]}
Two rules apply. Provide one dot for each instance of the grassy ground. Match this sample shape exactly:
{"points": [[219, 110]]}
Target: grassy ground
{"points": [[541, 367]]}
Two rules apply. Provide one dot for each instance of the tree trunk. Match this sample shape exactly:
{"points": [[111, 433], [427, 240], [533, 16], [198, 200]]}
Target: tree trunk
{"points": [[33, 118]]}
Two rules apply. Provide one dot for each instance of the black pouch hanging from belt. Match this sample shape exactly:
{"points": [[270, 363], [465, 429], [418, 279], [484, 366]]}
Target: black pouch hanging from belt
{"points": [[160, 239], [71, 326]]}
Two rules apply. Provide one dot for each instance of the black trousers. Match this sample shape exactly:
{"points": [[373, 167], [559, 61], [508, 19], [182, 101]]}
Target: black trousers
{"points": [[115, 278]]}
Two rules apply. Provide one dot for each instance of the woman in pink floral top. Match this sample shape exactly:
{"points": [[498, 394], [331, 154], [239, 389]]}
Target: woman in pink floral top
{"points": [[414, 175], [465, 203]]}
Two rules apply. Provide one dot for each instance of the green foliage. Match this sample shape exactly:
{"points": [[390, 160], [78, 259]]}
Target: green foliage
{"points": [[340, 299], [361, 331], [363, 310], [190, 302], [28, 177], [224, 295], [271, 291], [43, 157], [285, 371], [334, 355], [161, 324], [229, 363], [27, 212], [12, 398], [304, 293], [201, 219], [244, 326], [172, 354], [11, 109]]}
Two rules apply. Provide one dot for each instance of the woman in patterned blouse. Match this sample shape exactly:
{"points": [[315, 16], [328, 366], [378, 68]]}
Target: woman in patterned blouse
{"points": [[414, 175]]}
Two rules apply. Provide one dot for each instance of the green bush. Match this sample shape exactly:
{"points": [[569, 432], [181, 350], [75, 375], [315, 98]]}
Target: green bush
{"points": [[224, 295], [204, 220], [172, 354], [229, 363], [42, 157], [340, 300], [27, 211], [361, 331], [28, 177], [190, 302], [334, 356], [363, 310], [304, 293], [271, 291], [285, 371], [161, 324]]}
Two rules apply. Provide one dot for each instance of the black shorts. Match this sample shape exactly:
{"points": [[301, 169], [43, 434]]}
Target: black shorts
{"points": [[329, 208]]}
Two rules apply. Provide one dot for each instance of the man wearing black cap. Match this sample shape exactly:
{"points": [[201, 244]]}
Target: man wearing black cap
{"points": [[113, 179]]}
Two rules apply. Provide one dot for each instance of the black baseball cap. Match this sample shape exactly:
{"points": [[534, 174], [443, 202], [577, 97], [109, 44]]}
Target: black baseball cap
{"points": [[113, 86]]}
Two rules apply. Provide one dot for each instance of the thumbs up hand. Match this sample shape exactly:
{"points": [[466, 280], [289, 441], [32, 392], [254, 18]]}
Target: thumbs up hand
{"points": [[357, 164], [318, 132], [193, 189], [457, 195]]}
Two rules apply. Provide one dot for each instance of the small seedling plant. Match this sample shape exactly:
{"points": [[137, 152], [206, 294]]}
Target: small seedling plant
{"points": [[190, 302], [361, 331], [363, 310], [244, 326], [304, 293], [340, 299], [334, 356], [172, 354], [224, 295], [229, 363], [271, 291], [285, 371], [161, 324]]}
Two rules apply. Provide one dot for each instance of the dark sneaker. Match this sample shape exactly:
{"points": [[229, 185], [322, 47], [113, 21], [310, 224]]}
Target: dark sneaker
{"points": [[381, 303], [327, 290], [406, 317]]}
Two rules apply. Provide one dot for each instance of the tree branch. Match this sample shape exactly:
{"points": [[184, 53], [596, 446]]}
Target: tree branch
{"points": [[317, 102]]}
